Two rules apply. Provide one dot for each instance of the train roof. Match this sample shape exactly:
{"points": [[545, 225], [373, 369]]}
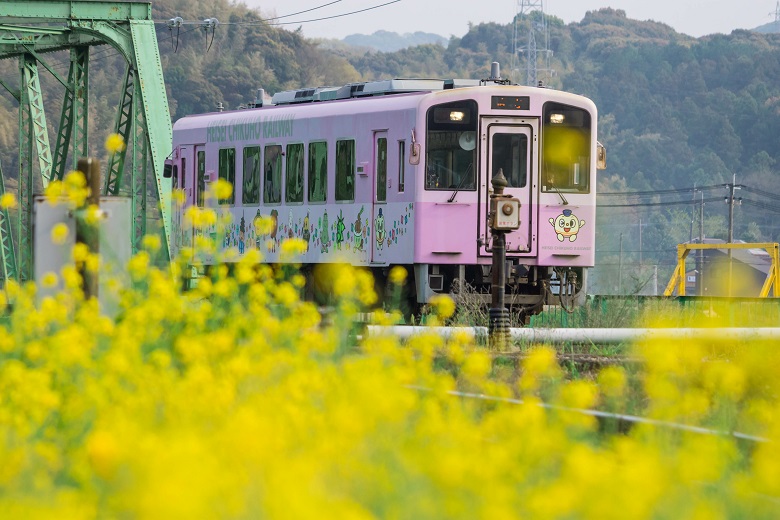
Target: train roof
{"points": [[390, 94], [368, 89]]}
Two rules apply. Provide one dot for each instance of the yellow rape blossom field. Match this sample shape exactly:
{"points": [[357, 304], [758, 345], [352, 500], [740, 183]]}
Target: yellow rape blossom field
{"points": [[236, 399]]}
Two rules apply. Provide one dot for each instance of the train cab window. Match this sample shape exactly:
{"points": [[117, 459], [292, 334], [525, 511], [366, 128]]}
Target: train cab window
{"points": [[401, 165], [272, 181], [201, 178], [227, 171], [318, 172], [345, 170], [566, 156], [294, 183], [250, 187], [510, 154], [451, 147]]}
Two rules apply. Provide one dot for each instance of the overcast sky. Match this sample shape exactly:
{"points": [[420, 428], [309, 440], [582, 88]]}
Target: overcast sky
{"points": [[451, 17]]}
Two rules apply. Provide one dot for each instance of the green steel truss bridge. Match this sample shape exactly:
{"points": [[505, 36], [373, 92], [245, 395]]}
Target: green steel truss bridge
{"points": [[30, 32]]}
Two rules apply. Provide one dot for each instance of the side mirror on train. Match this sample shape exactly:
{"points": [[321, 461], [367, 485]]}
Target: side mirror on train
{"points": [[601, 156], [414, 154], [168, 169]]}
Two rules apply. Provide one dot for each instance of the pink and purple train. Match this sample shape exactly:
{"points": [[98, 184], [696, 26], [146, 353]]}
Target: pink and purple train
{"points": [[398, 172]]}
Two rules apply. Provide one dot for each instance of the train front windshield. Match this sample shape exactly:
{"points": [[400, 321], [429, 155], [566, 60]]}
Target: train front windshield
{"points": [[566, 136], [451, 144]]}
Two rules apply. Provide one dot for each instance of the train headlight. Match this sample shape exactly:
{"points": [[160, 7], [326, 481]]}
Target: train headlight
{"points": [[457, 116]]}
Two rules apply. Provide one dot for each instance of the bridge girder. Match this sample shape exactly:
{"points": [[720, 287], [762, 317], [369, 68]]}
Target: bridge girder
{"points": [[28, 32]]}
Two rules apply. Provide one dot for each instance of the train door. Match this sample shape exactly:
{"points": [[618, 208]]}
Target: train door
{"points": [[199, 177], [511, 146], [182, 237], [379, 237]]}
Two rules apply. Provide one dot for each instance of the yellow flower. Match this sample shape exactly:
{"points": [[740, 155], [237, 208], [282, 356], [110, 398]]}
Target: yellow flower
{"points": [[94, 215], [612, 381], [292, 247], [92, 263], [152, 243], [442, 305], [103, 453], [59, 233], [398, 275], [49, 280], [264, 225], [114, 143], [138, 266], [80, 252], [223, 189], [579, 394], [75, 187], [179, 198], [8, 201], [53, 192]]}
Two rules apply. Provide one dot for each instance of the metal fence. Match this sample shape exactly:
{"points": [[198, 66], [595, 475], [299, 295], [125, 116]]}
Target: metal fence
{"points": [[658, 311]]}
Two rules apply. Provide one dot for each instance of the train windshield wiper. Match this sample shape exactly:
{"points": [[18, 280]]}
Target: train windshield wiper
{"points": [[460, 184], [563, 199]]}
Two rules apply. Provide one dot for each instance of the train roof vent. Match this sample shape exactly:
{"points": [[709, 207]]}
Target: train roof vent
{"points": [[461, 83], [288, 97], [327, 93], [398, 86]]}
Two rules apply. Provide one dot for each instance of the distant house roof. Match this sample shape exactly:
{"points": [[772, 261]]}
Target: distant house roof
{"points": [[757, 258]]}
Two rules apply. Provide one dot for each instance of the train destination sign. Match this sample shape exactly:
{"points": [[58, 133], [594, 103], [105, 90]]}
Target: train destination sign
{"points": [[511, 103]]}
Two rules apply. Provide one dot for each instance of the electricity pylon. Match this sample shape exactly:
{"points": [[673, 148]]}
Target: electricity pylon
{"points": [[536, 50]]}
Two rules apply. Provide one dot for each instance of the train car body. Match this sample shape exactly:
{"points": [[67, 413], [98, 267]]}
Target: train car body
{"points": [[399, 173]]}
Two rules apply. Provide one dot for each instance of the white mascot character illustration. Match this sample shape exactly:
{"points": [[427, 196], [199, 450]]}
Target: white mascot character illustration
{"points": [[567, 225]]}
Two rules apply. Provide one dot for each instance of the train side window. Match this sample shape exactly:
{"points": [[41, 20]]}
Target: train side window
{"points": [[183, 183], [201, 178], [227, 171], [294, 183], [318, 171], [345, 170], [250, 187], [175, 176], [272, 185], [401, 165]]}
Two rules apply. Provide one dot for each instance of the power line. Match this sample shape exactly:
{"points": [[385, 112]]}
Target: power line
{"points": [[672, 203], [270, 21], [302, 12], [760, 192], [762, 205], [661, 192]]}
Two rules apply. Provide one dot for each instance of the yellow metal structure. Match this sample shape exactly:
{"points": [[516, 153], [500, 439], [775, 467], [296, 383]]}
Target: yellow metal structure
{"points": [[772, 279]]}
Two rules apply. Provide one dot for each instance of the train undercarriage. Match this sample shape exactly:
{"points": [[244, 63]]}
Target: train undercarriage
{"points": [[528, 288]]}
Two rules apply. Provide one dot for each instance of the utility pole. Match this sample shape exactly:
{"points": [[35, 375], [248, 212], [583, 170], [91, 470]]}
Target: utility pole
{"points": [[730, 200], [693, 212], [620, 267], [640, 245], [700, 256]]}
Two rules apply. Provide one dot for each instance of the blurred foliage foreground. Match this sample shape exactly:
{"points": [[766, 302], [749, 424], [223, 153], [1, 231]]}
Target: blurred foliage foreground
{"points": [[237, 400]]}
